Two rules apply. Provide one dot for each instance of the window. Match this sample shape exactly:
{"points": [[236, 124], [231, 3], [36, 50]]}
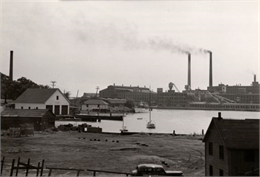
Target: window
{"points": [[22, 107], [221, 173], [57, 97], [29, 107], [210, 148], [36, 107], [249, 156], [221, 152], [210, 170]]}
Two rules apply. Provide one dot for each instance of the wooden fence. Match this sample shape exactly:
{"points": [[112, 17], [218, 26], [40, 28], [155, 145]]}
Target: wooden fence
{"points": [[40, 167], [26, 166]]}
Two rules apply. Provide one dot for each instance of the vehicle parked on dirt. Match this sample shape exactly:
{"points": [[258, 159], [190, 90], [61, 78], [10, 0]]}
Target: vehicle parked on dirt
{"points": [[154, 169]]}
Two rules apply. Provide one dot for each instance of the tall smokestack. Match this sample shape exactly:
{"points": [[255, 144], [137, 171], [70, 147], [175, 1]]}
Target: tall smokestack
{"points": [[11, 66], [254, 78], [210, 69], [189, 70]]}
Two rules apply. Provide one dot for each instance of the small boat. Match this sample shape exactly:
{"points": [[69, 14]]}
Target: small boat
{"points": [[150, 124], [139, 118], [123, 129], [141, 108]]}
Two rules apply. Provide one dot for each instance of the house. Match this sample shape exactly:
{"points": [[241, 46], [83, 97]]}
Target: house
{"points": [[51, 99], [103, 104], [95, 104], [41, 118], [232, 147]]}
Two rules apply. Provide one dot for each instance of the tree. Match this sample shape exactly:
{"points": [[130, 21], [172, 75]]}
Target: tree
{"points": [[67, 94], [13, 89], [130, 103]]}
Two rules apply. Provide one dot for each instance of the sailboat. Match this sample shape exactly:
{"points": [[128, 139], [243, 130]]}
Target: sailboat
{"points": [[123, 129], [150, 124]]}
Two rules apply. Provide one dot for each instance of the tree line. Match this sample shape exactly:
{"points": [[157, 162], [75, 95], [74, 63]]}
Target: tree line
{"points": [[12, 89]]}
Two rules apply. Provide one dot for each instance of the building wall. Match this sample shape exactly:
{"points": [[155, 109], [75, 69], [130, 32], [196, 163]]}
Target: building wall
{"points": [[85, 107], [238, 163], [243, 98], [131, 93], [29, 106], [172, 99], [40, 123], [60, 101], [214, 159]]}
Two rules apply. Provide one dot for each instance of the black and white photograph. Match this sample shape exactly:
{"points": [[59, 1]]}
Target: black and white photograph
{"points": [[130, 87]]}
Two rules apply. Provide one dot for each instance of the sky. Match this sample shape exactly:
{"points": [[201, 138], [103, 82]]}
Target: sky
{"points": [[85, 44]]}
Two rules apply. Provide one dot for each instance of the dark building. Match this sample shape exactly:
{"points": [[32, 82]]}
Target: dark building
{"points": [[172, 99], [232, 147], [41, 118], [137, 94]]}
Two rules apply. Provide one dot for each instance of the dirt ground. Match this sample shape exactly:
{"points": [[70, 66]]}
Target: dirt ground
{"points": [[111, 152]]}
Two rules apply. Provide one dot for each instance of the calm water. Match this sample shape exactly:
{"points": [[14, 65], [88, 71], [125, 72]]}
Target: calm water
{"points": [[182, 121]]}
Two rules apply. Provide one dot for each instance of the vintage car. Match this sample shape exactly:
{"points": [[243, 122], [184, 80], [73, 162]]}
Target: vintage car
{"points": [[154, 169]]}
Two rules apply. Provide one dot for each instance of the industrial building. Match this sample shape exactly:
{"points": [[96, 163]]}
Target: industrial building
{"points": [[171, 98], [240, 94], [135, 93]]}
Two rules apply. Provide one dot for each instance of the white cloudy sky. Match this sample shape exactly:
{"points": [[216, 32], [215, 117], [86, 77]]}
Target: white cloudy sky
{"points": [[84, 44]]}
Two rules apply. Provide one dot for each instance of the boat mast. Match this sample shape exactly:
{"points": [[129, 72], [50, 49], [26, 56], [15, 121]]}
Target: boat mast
{"points": [[149, 104]]}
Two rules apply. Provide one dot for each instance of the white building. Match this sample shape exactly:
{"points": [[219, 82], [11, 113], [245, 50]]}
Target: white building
{"points": [[95, 104], [51, 99]]}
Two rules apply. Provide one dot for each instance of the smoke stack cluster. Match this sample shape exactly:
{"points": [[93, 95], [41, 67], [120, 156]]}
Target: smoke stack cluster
{"points": [[11, 66]]}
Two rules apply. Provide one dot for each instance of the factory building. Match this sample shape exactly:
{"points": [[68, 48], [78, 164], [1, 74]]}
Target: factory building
{"points": [[239, 93], [171, 98], [135, 93]]}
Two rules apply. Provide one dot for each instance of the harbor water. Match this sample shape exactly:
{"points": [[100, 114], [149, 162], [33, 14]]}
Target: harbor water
{"points": [[167, 121]]}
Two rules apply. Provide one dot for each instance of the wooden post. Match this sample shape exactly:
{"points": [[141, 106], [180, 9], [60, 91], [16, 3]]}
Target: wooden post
{"points": [[18, 163], [202, 132], [94, 173], [50, 172], [12, 167], [78, 172], [42, 167], [2, 164], [27, 167], [38, 167]]}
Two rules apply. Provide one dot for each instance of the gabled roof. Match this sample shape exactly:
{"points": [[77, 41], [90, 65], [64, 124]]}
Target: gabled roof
{"points": [[95, 101], [36, 95], [115, 100], [24, 112], [237, 134]]}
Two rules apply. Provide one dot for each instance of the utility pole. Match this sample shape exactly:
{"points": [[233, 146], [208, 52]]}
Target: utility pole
{"points": [[97, 88], [53, 83]]}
